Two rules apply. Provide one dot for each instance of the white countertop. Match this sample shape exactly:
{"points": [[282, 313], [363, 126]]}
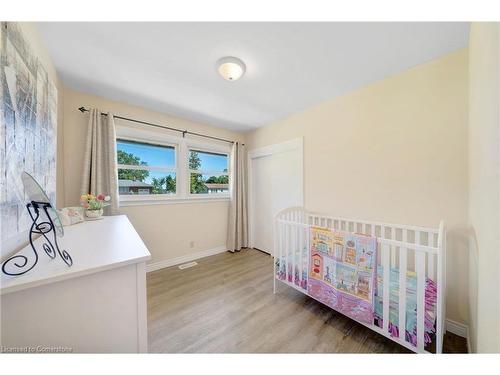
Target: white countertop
{"points": [[95, 246]]}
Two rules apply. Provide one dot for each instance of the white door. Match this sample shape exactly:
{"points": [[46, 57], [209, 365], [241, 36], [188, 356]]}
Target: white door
{"points": [[276, 184]]}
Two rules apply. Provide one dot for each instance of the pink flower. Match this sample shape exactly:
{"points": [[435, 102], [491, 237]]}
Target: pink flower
{"points": [[86, 205], [100, 197]]}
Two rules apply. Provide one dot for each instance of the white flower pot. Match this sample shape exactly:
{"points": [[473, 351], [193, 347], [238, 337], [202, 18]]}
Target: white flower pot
{"points": [[93, 214]]}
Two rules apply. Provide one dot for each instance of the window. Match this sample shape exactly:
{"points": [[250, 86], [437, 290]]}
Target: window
{"points": [[161, 168], [208, 172], [145, 169]]}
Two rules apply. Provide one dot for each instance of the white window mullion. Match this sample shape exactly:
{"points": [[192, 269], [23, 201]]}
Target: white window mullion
{"points": [[147, 168], [182, 170], [210, 173]]}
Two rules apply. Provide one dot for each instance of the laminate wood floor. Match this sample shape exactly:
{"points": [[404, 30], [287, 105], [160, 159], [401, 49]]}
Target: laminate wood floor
{"points": [[226, 304]]}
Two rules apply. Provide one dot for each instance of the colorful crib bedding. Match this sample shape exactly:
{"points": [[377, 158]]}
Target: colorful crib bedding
{"points": [[339, 270], [342, 272], [411, 305], [300, 267]]}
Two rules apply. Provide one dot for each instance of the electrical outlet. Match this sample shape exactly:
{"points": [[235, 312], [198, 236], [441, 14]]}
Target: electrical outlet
{"points": [[191, 244]]}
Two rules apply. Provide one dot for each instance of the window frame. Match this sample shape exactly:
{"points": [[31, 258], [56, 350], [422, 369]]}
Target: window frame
{"points": [[189, 171], [173, 169], [182, 173]]}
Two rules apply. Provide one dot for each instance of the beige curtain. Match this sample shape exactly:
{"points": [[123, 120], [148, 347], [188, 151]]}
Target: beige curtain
{"points": [[237, 232], [100, 173]]}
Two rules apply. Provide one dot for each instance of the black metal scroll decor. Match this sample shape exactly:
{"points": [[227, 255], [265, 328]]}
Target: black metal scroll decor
{"points": [[20, 264]]}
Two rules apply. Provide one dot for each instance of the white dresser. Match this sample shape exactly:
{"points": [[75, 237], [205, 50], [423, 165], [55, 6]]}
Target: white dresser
{"points": [[96, 306]]}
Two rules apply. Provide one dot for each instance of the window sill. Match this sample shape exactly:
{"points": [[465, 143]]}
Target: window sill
{"points": [[153, 200]]}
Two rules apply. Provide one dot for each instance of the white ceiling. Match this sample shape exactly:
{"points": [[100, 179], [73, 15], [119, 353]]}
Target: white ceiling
{"points": [[170, 67]]}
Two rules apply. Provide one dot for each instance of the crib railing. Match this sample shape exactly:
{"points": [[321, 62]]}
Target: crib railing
{"points": [[405, 247]]}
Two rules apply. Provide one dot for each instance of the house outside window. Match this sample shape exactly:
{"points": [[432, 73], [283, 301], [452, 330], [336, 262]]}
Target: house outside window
{"points": [[208, 172]]}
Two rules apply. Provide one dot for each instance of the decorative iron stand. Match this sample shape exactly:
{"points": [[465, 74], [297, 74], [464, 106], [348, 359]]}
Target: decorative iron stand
{"points": [[43, 228]]}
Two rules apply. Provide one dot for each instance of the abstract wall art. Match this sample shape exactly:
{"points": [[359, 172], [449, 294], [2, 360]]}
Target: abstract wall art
{"points": [[28, 129]]}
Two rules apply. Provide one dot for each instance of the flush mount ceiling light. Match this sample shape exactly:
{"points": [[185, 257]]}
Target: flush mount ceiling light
{"points": [[231, 68]]}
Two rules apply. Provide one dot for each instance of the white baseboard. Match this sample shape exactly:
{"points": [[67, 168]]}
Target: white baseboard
{"points": [[458, 329], [185, 258]]}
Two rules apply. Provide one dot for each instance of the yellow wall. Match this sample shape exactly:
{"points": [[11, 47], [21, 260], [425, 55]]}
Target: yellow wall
{"points": [[484, 186], [167, 230], [393, 151]]}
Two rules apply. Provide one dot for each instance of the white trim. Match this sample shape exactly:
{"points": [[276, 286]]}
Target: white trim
{"points": [[276, 148], [208, 196], [148, 201], [142, 307], [457, 328], [208, 146], [185, 258], [213, 173], [296, 143], [206, 149], [147, 168], [145, 136]]}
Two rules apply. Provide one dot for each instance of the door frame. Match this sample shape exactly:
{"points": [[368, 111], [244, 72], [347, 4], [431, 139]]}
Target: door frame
{"points": [[293, 144]]}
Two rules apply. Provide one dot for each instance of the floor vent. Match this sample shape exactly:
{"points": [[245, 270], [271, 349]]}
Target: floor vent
{"points": [[187, 265]]}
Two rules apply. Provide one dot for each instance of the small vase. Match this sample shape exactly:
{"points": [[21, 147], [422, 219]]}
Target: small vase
{"points": [[93, 214]]}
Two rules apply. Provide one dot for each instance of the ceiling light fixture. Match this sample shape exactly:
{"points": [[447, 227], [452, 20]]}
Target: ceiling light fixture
{"points": [[231, 68]]}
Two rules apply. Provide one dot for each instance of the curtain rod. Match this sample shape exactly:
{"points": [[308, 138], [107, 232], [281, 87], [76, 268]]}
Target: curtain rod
{"points": [[184, 132]]}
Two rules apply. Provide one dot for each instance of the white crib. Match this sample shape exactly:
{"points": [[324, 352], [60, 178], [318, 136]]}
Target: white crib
{"points": [[405, 247]]}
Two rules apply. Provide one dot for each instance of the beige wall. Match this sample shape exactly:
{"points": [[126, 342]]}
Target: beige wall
{"points": [[393, 151], [484, 185], [167, 230]]}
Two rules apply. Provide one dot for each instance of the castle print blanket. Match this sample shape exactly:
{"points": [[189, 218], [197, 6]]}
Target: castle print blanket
{"points": [[342, 272]]}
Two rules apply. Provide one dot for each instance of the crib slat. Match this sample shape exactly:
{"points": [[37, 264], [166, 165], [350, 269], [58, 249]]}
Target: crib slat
{"points": [[441, 286], [301, 249], [282, 245], [275, 239], [403, 264], [291, 251], [385, 264], [430, 259], [393, 249], [286, 247], [294, 249], [305, 255], [420, 299], [297, 249]]}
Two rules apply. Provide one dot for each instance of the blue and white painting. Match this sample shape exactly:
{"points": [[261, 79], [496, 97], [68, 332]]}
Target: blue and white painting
{"points": [[28, 129]]}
